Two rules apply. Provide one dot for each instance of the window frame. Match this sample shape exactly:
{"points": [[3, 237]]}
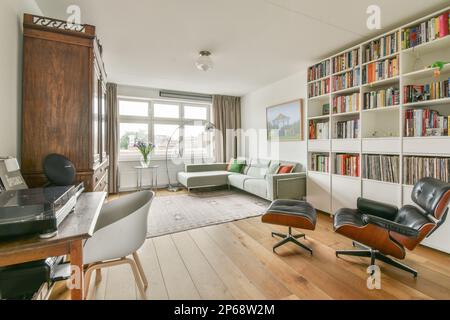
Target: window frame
{"points": [[151, 121]]}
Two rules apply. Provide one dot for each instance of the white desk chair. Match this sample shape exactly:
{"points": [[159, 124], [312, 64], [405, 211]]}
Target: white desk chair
{"points": [[120, 231]]}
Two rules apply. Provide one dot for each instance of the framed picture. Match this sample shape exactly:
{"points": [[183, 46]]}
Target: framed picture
{"points": [[287, 120]]}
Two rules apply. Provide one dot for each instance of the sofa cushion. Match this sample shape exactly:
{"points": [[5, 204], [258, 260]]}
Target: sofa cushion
{"points": [[258, 168], [237, 180], [273, 168], [257, 187], [203, 179]]}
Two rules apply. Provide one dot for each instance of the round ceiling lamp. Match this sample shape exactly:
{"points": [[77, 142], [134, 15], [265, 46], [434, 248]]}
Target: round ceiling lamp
{"points": [[204, 61]]}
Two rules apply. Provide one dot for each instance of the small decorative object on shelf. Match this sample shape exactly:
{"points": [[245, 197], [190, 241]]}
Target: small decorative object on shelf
{"points": [[439, 65], [326, 109], [145, 149]]}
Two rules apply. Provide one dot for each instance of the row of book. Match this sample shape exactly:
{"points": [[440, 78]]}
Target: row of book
{"points": [[319, 88], [381, 47], [430, 91], [437, 27], [416, 168], [347, 165], [320, 163], [346, 61], [349, 103], [346, 129], [319, 130], [426, 122], [319, 71], [381, 167], [382, 98], [347, 80], [381, 70]]}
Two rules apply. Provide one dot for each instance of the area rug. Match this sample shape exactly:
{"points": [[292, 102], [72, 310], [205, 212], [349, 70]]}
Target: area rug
{"points": [[177, 213]]}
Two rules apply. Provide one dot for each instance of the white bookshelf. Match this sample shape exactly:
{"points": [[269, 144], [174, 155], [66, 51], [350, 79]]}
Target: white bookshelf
{"points": [[381, 130]]}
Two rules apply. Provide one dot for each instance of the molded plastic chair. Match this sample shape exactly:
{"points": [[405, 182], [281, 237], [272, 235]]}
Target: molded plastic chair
{"points": [[120, 231]]}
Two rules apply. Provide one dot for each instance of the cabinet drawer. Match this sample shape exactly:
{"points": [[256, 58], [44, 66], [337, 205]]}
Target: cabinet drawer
{"points": [[381, 145], [102, 184]]}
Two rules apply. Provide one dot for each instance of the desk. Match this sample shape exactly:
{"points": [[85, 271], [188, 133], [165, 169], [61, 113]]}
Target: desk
{"points": [[76, 228], [153, 180]]}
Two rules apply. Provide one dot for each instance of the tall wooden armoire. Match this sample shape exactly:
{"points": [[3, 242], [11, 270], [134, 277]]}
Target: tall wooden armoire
{"points": [[64, 100]]}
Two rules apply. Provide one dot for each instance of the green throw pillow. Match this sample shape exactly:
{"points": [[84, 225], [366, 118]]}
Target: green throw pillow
{"points": [[236, 167]]}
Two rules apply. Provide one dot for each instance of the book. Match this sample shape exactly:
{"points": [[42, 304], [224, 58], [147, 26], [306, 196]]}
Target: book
{"points": [[416, 168], [319, 71], [381, 98], [320, 162], [346, 61], [347, 80], [425, 122], [318, 88], [348, 103], [347, 165], [346, 129], [380, 70], [381, 47], [318, 130], [426, 92], [381, 168], [434, 28]]}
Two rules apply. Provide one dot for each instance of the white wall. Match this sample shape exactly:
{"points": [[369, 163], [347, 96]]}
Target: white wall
{"points": [[11, 16], [254, 107]]}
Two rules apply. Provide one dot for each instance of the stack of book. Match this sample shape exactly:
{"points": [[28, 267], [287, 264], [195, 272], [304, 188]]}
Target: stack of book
{"points": [[380, 70], [320, 163], [348, 103], [319, 130], [319, 88], [346, 61], [381, 168], [346, 129], [426, 122], [430, 30], [319, 71], [382, 47], [381, 98], [416, 168], [346, 80], [431, 91], [347, 165]]}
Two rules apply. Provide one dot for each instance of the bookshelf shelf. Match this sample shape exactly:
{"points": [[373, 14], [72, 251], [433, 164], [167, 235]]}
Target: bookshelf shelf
{"points": [[388, 81], [318, 80], [425, 73], [382, 130], [429, 47], [382, 109], [343, 114], [321, 97], [319, 117], [347, 90], [381, 58]]}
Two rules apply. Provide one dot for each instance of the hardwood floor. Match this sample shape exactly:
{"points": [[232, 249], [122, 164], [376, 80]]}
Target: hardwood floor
{"points": [[235, 261]]}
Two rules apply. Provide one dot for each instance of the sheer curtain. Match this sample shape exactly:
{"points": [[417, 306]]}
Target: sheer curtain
{"points": [[227, 119], [113, 136]]}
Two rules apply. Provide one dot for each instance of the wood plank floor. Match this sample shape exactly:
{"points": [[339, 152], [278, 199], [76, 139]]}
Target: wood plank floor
{"points": [[235, 261]]}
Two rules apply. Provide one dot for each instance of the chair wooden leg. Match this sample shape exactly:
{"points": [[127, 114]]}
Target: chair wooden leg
{"points": [[141, 270], [137, 278]]}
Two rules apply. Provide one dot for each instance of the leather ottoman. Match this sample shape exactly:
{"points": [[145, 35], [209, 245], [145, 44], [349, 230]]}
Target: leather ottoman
{"points": [[292, 214]]}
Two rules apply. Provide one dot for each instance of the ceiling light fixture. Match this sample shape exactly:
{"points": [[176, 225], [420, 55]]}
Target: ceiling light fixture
{"points": [[204, 62]]}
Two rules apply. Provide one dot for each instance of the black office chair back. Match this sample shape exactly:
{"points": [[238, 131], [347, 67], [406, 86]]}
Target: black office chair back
{"points": [[59, 170]]}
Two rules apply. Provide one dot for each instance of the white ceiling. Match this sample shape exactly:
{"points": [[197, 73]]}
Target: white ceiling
{"points": [[154, 43]]}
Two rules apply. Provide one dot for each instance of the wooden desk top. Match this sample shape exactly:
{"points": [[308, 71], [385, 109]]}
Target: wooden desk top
{"points": [[78, 225]]}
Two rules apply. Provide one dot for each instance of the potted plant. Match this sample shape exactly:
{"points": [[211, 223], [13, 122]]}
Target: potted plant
{"points": [[145, 149]]}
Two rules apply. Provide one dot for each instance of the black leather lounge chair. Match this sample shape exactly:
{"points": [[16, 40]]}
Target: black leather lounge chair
{"points": [[383, 230]]}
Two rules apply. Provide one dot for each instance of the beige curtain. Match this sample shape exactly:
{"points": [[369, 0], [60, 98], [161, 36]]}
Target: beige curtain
{"points": [[227, 119], [113, 136]]}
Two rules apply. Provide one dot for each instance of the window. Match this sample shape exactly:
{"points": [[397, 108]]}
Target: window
{"points": [[158, 121]]}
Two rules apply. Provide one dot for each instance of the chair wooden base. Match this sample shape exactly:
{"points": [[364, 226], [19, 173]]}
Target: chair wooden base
{"points": [[136, 267], [374, 255]]}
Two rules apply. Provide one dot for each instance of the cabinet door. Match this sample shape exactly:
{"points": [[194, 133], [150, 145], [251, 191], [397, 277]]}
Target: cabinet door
{"points": [[95, 115], [318, 191]]}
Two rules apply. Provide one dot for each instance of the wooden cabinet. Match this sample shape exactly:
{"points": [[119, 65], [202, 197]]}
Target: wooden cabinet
{"points": [[64, 105]]}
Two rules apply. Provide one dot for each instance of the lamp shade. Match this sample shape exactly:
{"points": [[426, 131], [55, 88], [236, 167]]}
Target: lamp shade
{"points": [[204, 61]]}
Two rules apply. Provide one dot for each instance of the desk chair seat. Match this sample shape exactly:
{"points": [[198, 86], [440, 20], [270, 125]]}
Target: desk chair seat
{"points": [[293, 214], [120, 231]]}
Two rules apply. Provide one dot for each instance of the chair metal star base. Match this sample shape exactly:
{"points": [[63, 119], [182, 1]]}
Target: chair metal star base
{"points": [[374, 255], [290, 238]]}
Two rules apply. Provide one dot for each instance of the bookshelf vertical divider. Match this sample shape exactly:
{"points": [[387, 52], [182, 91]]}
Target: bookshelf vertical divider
{"points": [[329, 191]]}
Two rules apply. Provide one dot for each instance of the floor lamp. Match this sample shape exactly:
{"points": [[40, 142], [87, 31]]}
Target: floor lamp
{"points": [[209, 126]]}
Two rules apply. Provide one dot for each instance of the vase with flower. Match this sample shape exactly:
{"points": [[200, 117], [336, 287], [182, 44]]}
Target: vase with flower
{"points": [[145, 149]]}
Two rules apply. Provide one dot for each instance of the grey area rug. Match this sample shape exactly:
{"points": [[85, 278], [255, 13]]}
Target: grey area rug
{"points": [[177, 213]]}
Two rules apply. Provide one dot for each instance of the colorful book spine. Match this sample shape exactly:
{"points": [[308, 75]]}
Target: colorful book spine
{"points": [[427, 92], [416, 168], [435, 28], [381, 70], [319, 88], [347, 80], [381, 98], [382, 47], [319, 130], [349, 103], [319, 71], [381, 168], [425, 122], [346, 129], [346, 61], [320, 163], [347, 165]]}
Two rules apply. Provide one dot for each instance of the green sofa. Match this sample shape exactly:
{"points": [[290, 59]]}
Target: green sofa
{"points": [[254, 179]]}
